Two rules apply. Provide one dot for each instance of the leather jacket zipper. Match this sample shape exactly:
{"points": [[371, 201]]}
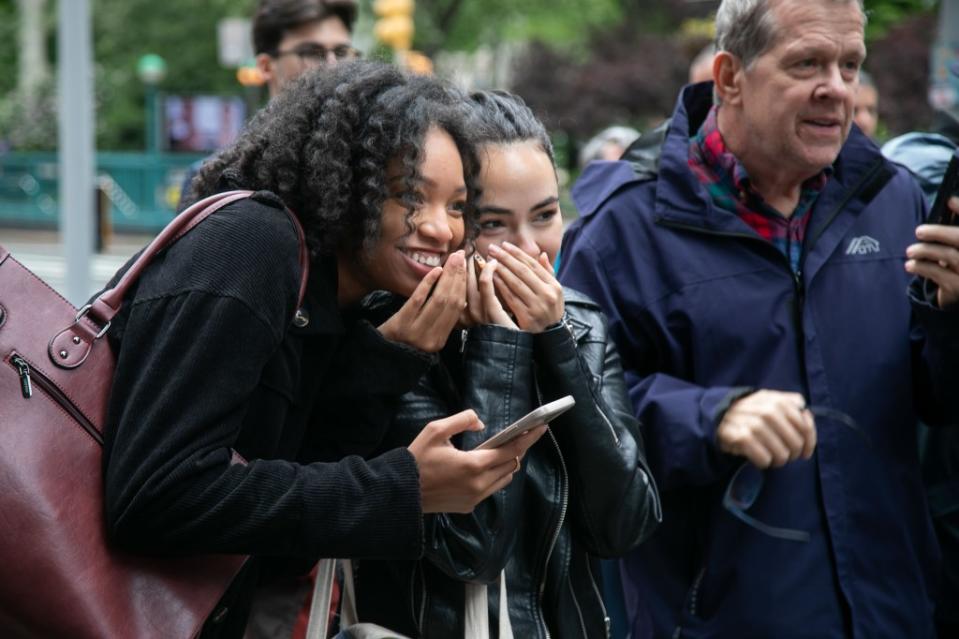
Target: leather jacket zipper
{"points": [[599, 597], [30, 376], [579, 610], [612, 431], [559, 525], [418, 568], [596, 400]]}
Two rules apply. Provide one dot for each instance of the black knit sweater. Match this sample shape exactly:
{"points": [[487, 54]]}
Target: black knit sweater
{"points": [[210, 369]]}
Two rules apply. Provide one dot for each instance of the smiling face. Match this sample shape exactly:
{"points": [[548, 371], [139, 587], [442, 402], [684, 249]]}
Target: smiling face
{"points": [[792, 108], [519, 202], [409, 247]]}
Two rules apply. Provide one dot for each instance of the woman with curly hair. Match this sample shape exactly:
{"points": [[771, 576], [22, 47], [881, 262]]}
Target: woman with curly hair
{"points": [[524, 562], [234, 430]]}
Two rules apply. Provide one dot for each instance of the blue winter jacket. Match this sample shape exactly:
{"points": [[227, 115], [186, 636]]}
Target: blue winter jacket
{"points": [[702, 310]]}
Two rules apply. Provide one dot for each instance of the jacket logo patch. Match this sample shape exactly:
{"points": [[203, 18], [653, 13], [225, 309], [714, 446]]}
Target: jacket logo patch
{"points": [[863, 245]]}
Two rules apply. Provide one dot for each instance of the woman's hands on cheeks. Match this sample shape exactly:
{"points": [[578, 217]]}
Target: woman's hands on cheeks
{"points": [[528, 287], [483, 305], [426, 320]]}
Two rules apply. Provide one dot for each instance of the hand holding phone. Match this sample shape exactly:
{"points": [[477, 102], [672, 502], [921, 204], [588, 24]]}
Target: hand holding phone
{"points": [[934, 257], [949, 187], [542, 415]]}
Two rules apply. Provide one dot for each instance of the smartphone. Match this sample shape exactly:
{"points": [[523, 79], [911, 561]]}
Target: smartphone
{"points": [[941, 213], [542, 415]]}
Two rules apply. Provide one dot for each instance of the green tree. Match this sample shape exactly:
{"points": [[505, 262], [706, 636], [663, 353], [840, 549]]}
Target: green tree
{"points": [[465, 25], [183, 32]]}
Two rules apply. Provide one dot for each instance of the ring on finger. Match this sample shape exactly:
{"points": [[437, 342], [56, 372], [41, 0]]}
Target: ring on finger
{"points": [[516, 459]]}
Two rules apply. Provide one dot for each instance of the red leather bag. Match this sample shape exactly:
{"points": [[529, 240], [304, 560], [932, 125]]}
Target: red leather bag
{"points": [[58, 575]]}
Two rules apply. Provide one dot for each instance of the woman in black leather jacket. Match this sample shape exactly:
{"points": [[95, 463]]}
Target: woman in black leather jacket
{"points": [[584, 490]]}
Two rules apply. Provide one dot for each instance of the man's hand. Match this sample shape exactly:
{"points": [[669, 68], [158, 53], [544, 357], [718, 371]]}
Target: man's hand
{"points": [[426, 319], [769, 428], [936, 257], [453, 480]]}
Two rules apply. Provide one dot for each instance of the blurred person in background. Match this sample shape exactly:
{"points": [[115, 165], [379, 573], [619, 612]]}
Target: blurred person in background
{"points": [[294, 36], [866, 110], [754, 262], [291, 37], [608, 144], [926, 155], [701, 68]]}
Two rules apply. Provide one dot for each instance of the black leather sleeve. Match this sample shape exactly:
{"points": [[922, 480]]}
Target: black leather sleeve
{"points": [[614, 501], [493, 375]]}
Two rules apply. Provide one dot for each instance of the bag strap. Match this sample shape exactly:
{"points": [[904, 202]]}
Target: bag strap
{"points": [[476, 609], [476, 624], [316, 627], [107, 304]]}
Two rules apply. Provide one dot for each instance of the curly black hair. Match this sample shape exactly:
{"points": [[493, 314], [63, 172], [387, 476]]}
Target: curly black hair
{"points": [[323, 146], [504, 118]]}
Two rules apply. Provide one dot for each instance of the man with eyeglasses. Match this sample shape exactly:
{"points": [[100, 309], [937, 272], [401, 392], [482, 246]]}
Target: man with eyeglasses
{"points": [[753, 256], [291, 37]]}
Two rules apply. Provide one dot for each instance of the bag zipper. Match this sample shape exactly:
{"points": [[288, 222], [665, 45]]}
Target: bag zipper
{"points": [[26, 388], [30, 376]]}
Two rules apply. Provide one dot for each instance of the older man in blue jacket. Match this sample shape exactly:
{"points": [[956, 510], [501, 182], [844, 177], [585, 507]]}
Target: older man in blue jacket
{"points": [[753, 256]]}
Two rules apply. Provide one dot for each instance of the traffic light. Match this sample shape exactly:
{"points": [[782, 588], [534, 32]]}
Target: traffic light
{"points": [[249, 76], [417, 63], [395, 24]]}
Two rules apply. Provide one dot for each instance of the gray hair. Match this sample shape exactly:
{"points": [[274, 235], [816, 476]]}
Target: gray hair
{"points": [[747, 28], [620, 135]]}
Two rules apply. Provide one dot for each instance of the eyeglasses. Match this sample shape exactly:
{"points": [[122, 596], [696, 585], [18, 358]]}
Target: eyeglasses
{"points": [[319, 54], [747, 482]]}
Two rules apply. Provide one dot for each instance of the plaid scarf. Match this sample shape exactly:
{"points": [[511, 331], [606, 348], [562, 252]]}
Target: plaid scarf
{"points": [[731, 189]]}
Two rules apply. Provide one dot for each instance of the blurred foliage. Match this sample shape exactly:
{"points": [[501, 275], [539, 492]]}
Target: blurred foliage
{"points": [[590, 64], [635, 68], [8, 46], [182, 32], [899, 63], [466, 24], [884, 14]]}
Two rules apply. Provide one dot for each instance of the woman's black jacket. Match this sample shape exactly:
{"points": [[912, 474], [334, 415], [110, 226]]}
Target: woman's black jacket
{"points": [[584, 490], [211, 372]]}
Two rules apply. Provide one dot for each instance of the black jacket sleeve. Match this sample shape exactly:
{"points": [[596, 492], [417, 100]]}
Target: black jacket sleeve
{"points": [[208, 320], [494, 379], [615, 504]]}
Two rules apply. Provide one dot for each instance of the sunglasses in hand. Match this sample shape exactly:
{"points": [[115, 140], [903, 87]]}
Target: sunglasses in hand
{"points": [[747, 482]]}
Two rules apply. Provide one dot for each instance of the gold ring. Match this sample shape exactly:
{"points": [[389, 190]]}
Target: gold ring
{"points": [[516, 459]]}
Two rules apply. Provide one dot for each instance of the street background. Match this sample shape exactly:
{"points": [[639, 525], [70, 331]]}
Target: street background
{"points": [[171, 82]]}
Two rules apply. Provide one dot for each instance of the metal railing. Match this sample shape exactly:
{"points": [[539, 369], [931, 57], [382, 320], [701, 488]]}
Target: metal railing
{"points": [[138, 191]]}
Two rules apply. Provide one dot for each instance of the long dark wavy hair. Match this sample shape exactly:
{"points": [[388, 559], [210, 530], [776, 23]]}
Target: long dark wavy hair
{"points": [[323, 146]]}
